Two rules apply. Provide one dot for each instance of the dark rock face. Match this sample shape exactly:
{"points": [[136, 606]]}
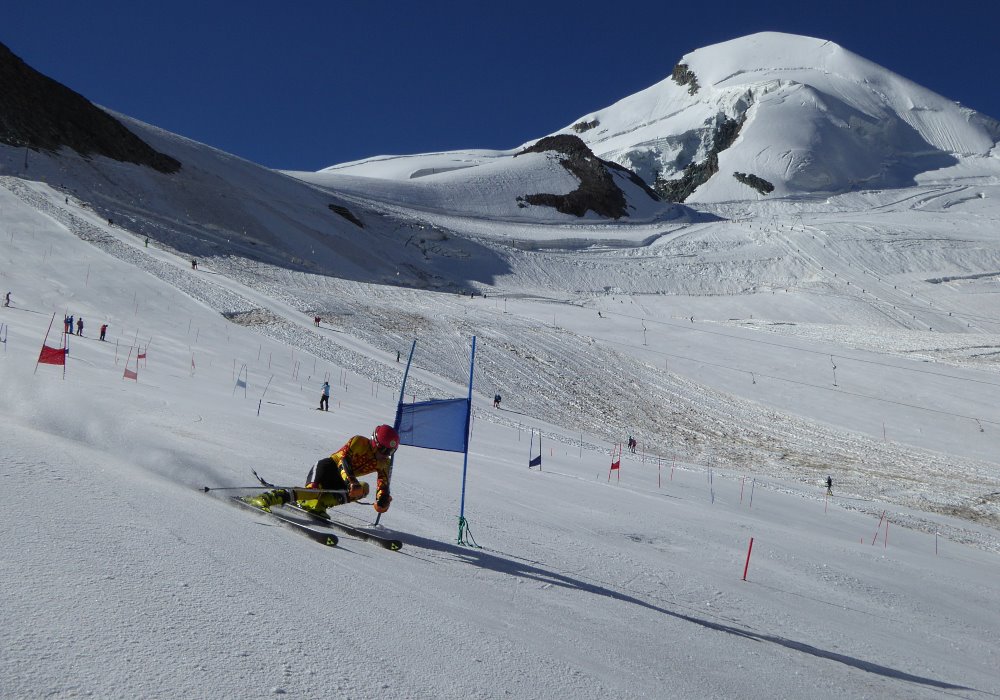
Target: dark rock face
{"points": [[38, 113], [580, 127], [697, 174], [347, 214], [758, 183], [597, 191], [682, 75]]}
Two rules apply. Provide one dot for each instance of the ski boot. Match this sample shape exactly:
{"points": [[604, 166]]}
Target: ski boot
{"points": [[313, 507], [269, 498], [317, 506]]}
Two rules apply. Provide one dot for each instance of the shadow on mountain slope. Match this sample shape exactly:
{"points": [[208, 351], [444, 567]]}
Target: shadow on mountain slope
{"points": [[38, 113], [535, 571], [221, 207]]}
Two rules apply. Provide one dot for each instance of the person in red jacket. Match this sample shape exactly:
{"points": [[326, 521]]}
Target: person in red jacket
{"points": [[340, 471]]}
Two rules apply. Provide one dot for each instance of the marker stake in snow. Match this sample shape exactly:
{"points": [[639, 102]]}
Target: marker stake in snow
{"points": [[747, 565], [875, 536]]}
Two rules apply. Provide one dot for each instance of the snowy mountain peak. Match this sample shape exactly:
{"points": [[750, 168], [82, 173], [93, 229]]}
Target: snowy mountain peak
{"points": [[811, 116]]}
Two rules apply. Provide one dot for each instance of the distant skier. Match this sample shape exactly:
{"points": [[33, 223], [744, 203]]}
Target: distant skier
{"points": [[324, 399], [104, 330], [340, 471], [79, 326], [829, 486], [6, 299], [496, 401], [632, 444], [194, 264]]}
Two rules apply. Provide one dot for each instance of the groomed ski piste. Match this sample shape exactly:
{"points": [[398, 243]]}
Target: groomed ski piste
{"points": [[123, 580], [752, 348]]}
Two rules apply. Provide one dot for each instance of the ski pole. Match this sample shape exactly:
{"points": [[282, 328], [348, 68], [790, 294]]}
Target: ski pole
{"points": [[299, 489], [206, 489]]}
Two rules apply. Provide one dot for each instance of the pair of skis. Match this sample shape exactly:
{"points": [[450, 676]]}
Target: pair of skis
{"points": [[322, 535]]}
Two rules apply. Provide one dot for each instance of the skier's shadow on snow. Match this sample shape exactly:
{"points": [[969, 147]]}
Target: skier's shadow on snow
{"points": [[524, 568]]}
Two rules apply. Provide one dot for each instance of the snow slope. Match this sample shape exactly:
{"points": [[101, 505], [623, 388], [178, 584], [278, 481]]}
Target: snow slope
{"points": [[818, 119], [753, 348], [815, 119], [124, 579]]}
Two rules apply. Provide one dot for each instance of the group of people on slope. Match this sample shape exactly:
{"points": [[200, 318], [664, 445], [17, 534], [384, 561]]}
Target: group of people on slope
{"points": [[68, 323]]}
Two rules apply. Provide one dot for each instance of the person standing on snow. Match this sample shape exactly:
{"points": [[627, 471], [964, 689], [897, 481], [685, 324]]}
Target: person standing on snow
{"points": [[79, 326], [324, 399], [339, 472], [104, 329]]}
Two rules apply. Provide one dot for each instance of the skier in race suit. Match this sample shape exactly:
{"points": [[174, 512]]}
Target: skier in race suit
{"points": [[358, 457]]}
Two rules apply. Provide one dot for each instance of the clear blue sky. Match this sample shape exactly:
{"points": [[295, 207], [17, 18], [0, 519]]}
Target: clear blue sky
{"points": [[302, 85]]}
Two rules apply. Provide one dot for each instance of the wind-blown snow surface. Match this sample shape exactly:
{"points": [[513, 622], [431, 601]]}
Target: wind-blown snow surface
{"points": [[123, 579]]}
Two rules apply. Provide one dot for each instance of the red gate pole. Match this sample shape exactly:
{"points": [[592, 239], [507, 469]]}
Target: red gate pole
{"points": [[747, 566]]}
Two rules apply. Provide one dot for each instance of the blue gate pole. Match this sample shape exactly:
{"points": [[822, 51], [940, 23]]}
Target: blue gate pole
{"points": [[399, 414], [402, 389], [465, 463]]}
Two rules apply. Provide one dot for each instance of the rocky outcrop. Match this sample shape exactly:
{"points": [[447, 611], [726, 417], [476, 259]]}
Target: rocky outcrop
{"points": [[37, 112], [757, 183], [683, 75], [346, 213], [597, 191], [697, 174]]}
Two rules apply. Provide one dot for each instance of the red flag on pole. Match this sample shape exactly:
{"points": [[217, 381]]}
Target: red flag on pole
{"points": [[52, 356], [130, 374], [616, 464]]}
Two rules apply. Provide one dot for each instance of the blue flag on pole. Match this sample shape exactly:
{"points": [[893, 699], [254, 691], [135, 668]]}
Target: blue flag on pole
{"points": [[438, 424]]}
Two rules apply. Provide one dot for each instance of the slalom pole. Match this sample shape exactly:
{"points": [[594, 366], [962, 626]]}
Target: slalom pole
{"points": [[462, 524], [399, 411], [875, 538], [44, 341], [406, 372], [747, 565], [65, 340]]}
